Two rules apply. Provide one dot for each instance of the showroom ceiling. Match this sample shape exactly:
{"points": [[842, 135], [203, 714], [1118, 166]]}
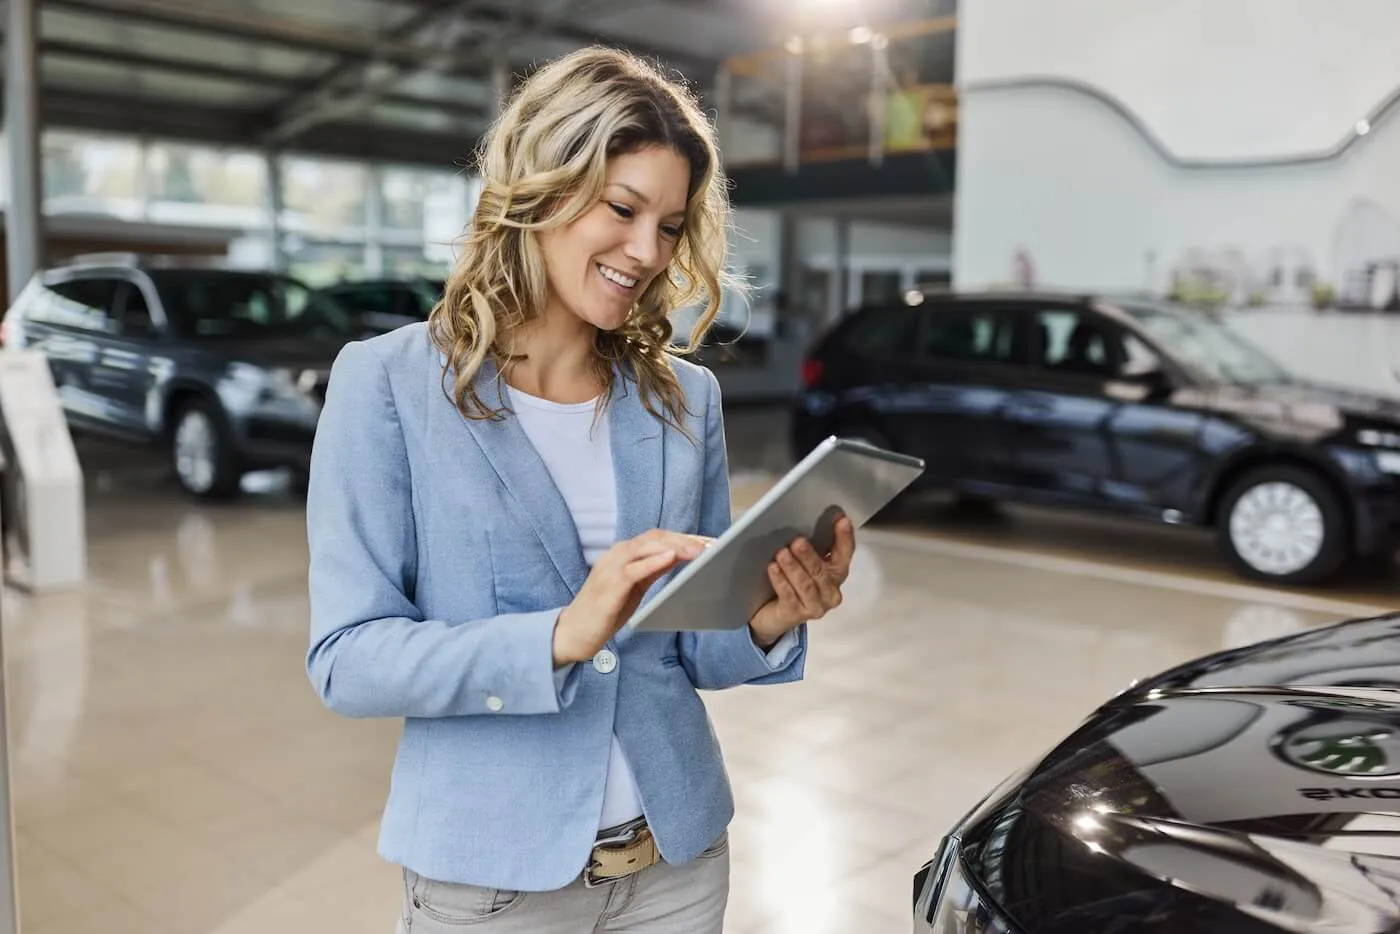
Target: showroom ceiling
{"points": [[394, 80]]}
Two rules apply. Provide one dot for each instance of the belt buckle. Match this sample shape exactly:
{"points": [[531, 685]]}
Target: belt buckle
{"points": [[617, 838]]}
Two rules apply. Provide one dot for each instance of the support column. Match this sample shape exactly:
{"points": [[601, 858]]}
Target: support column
{"points": [[841, 270], [792, 122], [274, 203], [23, 216]]}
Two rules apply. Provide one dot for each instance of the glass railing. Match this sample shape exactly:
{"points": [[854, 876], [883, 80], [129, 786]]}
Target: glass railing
{"points": [[863, 93]]}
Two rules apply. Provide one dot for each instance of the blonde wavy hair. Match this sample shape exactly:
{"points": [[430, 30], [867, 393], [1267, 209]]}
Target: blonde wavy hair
{"points": [[542, 165]]}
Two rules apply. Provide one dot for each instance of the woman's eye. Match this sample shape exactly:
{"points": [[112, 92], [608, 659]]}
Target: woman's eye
{"points": [[621, 210], [671, 231]]}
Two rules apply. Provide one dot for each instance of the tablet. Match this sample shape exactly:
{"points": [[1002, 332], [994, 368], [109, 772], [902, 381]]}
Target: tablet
{"points": [[728, 583]]}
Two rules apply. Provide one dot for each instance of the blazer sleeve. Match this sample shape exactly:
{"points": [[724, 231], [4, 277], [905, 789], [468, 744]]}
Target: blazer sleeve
{"points": [[372, 653], [721, 659]]}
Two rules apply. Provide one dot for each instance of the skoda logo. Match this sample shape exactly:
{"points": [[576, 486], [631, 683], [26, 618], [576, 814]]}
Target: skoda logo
{"points": [[1357, 748]]}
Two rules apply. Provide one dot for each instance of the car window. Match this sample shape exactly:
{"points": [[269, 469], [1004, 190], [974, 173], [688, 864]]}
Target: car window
{"points": [[885, 332], [133, 314], [84, 303], [985, 335], [1138, 358], [1077, 342], [215, 305], [382, 298]]}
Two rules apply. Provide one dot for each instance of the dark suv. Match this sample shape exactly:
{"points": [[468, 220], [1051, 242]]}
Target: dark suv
{"points": [[225, 369], [1127, 406]]}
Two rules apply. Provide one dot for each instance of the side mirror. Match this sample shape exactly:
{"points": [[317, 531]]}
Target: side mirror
{"points": [[1140, 384]]}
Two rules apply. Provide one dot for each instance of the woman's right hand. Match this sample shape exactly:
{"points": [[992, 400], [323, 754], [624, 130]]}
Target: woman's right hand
{"points": [[615, 588]]}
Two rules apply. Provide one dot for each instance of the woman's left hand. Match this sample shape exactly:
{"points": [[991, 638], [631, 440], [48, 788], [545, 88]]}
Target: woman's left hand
{"points": [[807, 584]]}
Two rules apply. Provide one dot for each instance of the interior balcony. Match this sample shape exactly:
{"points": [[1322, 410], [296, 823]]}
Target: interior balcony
{"points": [[866, 113]]}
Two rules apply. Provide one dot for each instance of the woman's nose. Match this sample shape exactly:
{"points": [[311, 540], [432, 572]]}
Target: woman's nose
{"points": [[644, 249]]}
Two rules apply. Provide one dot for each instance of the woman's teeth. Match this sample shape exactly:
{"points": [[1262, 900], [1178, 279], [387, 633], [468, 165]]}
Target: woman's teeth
{"points": [[612, 275]]}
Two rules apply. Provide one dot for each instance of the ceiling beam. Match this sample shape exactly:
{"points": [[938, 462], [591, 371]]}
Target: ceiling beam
{"points": [[693, 66], [353, 83], [253, 25], [109, 55]]}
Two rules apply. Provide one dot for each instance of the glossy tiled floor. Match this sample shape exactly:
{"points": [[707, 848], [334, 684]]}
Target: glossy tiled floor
{"points": [[175, 774]]}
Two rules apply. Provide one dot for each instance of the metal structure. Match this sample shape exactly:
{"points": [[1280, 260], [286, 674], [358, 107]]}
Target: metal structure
{"points": [[406, 81]]}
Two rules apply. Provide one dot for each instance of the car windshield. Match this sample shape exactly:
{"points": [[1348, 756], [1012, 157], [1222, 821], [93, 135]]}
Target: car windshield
{"points": [[231, 305], [1208, 346]]}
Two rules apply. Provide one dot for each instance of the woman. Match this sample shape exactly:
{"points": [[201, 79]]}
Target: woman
{"points": [[492, 494]]}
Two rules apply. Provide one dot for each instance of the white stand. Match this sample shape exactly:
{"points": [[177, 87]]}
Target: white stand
{"points": [[48, 480]]}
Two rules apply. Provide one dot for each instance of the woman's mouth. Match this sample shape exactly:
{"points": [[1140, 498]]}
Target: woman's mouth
{"points": [[620, 281]]}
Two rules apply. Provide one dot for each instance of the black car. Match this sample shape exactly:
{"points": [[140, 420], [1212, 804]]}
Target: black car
{"points": [[224, 369], [1132, 407], [1255, 790], [380, 305]]}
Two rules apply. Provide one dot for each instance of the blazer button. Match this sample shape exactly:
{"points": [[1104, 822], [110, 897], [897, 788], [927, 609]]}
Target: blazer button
{"points": [[605, 662], [495, 704]]}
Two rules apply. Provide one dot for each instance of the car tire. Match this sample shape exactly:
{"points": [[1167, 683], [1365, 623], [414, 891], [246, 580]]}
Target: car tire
{"points": [[201, 452], [1285, 525]]}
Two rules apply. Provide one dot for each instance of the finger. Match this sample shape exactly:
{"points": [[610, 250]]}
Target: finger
{"points": [[687, 546], [788, 600], [649, 565], [808, 596], [817, 569], [843, 549]]}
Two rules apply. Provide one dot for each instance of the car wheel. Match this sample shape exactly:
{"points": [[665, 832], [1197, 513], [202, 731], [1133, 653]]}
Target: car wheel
{"points": [[1285, 525], [200, 452]]}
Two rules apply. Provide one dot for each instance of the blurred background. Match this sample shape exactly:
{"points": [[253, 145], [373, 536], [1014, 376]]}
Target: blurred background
{"points": [[1127, 276]]}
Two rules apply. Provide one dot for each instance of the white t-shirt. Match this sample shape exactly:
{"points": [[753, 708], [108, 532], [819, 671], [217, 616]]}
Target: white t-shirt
{"points": [[577, 451]]}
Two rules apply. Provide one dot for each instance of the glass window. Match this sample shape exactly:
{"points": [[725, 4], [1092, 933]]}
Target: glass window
{"points": [[199, 184], [1206, 346], [320, 264], [880, 286], [86, 172], [215, 305], [1077, 342], [325, 197], [885, 332], [85, 304], [970, 334], [134, 315], [392, 298]]}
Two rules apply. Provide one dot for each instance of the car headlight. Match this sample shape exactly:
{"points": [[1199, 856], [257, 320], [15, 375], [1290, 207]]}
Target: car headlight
{"points": [[253, 384], [952, 904]]}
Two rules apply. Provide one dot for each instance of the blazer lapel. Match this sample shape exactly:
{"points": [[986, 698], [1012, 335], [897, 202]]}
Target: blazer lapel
{"points": [[525, 476], [638, 462]]}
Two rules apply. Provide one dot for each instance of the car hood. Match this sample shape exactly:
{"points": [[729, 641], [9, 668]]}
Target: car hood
{"points": [[1310, 407], [1263, 782]]}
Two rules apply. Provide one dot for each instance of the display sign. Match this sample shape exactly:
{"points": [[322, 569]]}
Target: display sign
{"points": [[43, 481]]}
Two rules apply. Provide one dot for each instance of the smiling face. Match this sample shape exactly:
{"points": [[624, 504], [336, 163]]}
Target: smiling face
{"points": [[601, 263]]}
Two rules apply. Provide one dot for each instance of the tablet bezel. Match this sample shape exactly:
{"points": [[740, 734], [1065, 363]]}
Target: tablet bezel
{"points": [[751, 517]]}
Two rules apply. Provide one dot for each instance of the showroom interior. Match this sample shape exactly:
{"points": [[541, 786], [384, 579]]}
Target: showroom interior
{"points": [[1217, 166]]}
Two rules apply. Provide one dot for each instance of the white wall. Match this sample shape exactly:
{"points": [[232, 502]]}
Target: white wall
{"points": [[1061, 177]]}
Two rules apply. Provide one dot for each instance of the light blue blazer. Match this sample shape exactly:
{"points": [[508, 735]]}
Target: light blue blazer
{"points": [[441, 554]]}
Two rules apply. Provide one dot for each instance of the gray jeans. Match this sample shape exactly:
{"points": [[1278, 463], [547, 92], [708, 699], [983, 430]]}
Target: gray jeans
{"points": [[661, 899]]}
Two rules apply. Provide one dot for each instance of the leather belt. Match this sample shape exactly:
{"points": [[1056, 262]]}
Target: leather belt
{"points": [[620, 853]]}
